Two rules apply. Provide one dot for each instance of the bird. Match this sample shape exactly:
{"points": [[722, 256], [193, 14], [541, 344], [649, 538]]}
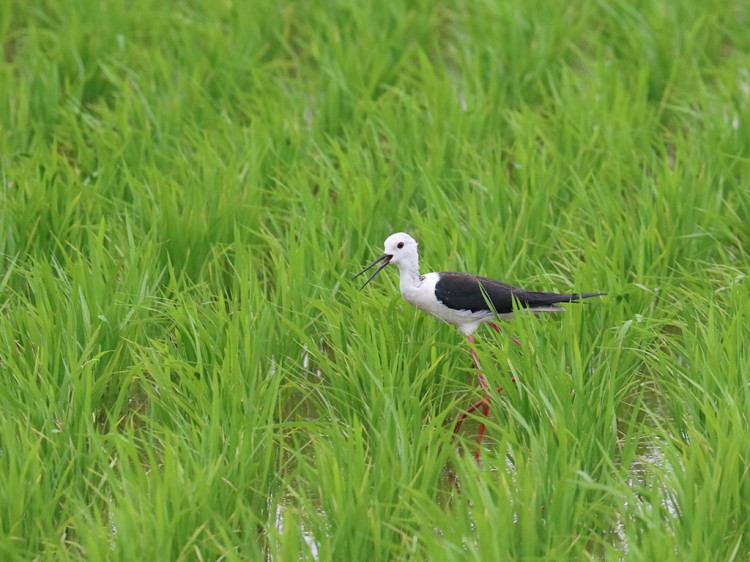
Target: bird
{"points": [[465, 300]]}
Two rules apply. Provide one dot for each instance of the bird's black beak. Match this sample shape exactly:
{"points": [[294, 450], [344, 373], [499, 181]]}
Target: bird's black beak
{"points": [[385, 258]]}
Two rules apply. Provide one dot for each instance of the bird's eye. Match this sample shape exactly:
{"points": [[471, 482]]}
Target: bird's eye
{"points": [[400, 245]]}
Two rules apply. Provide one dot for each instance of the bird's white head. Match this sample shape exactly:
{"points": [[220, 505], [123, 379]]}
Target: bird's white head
{"points": [[401, 249]]}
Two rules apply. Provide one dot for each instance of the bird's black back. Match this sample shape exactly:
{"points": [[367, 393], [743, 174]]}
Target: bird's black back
{"points": [[461, 291]]}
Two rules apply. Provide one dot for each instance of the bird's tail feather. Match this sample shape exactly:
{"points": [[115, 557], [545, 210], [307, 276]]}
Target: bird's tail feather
{"points": [[575, 297]]}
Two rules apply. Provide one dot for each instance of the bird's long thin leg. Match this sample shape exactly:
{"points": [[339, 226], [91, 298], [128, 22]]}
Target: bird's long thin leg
{"points": [[499, 331], [484, 402], [480, 436], [482, 379]]}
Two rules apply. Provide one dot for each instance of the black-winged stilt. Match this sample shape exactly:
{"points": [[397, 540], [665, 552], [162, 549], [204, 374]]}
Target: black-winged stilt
{"points": [[463, 299]]}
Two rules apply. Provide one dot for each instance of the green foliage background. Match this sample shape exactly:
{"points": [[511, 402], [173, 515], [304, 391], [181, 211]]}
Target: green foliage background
{"points": [[187, 372]]}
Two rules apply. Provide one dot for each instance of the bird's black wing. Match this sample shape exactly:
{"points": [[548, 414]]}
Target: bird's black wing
{"points": [[463, 291]]}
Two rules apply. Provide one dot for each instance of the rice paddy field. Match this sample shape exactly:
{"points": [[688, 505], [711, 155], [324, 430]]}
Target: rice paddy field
{"points": [[188, 372]]}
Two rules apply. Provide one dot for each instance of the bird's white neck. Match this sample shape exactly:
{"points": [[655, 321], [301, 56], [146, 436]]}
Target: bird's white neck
{"points": [[409, 273]]}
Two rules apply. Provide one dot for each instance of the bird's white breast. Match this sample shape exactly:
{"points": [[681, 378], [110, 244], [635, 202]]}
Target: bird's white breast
{"points": [[422, 295]]}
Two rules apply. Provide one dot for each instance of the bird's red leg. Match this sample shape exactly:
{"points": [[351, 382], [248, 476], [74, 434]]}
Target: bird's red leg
{"points": [[484, 403], [480, 436], [499, 331], [462, 416], [473, 351]]}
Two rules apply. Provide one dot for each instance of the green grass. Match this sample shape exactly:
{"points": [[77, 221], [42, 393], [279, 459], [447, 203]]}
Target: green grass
{"points": [[187, 371]]}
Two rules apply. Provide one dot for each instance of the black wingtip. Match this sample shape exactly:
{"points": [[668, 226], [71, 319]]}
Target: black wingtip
{"points": [[580, 296]]}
